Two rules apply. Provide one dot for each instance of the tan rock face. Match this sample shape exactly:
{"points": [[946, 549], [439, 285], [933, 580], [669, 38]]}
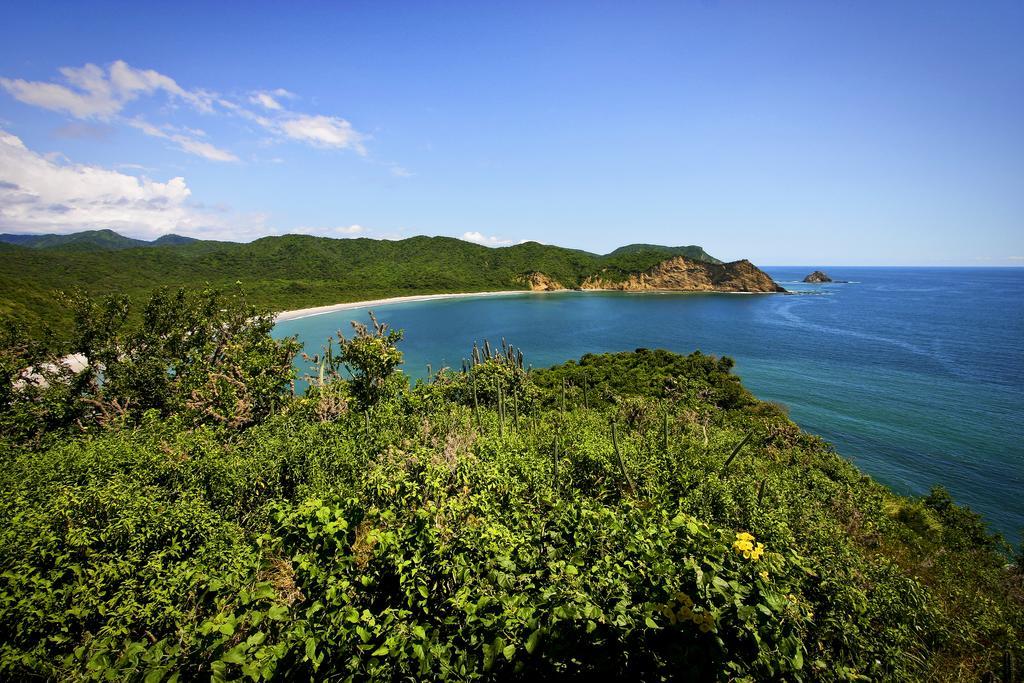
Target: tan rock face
{"points": [[685, 275], [539, 282]]}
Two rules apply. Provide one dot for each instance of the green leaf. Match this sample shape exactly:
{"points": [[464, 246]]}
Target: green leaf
{"points": [[277, 612], [235, 655], [532, 640], [509, 651]]}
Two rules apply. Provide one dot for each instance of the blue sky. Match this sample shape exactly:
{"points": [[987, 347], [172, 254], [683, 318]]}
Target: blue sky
{"points": [[788, 133]]}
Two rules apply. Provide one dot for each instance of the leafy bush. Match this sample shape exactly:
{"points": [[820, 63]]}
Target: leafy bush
{"points": [[428, 537], [205, 357]]}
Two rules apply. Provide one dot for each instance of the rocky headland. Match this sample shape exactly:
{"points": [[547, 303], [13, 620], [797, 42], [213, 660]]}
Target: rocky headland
{"points": [[676, 274], [817, 277]]}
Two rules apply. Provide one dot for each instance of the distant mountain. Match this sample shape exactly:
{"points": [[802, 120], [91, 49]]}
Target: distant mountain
{"points": [[78, 241], [91, 240], [691, 252], [295, 271], [172, 240]]}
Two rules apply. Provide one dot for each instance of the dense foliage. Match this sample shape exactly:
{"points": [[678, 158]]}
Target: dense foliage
{"points": [[89, 240], [638, 514], [204, 357], [293, 271]]}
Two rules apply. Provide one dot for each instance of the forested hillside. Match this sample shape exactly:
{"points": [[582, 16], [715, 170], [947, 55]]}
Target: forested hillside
{"points": [[294, 271]]}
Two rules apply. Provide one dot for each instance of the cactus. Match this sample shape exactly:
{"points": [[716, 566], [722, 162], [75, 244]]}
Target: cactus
{"points": [[487, 350], [563, 397], [735, 452], [515, 409], [501, 412], [622, 464], [556, 463], [476, 405], [665, 434], [430, 371]]}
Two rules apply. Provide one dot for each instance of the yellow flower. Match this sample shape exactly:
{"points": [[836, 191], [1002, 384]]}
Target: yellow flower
{"points": [[756, 553], [764, 575], [685, 613], [684, 599], [744, 545]]}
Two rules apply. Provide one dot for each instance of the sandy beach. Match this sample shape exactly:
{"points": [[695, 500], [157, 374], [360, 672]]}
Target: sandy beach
{"points": [[331, 308]]}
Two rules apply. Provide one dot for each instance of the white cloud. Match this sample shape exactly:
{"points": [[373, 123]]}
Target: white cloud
{"points": [[185, 142], [92, 92], [95, 93], [486, 240], [349, 229], [400, 171], [265, 99], [354, 229], [40, 194], [323, 131]]}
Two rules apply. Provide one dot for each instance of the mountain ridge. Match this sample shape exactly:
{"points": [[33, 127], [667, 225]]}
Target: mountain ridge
{"points": [[88, 240], [298, 271]]}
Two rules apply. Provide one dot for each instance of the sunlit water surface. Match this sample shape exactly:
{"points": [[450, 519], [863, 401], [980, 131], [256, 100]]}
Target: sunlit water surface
{"points": [[916, 374]]}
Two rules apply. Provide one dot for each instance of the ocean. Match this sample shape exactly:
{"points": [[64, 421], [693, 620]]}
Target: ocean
{"points": [[915, 374]]}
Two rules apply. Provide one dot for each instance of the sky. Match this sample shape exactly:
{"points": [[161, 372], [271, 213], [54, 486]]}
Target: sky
{"points": [[821, 133]]}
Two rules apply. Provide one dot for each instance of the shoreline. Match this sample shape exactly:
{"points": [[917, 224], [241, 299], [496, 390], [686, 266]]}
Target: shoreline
{"points": [[296, 314], [299, 313]]}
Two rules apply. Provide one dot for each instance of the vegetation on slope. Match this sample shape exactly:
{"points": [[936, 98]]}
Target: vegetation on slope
{"points": [[636, 514], [294, 271], [691, 252], [90, 240]]}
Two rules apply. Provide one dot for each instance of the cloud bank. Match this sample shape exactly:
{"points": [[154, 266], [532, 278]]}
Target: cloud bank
{"points": [[486, 240], [40, 195], [91, 92]]}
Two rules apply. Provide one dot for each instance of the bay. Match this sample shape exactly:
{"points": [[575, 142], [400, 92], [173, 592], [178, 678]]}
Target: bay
{"points": [[915, 374]]}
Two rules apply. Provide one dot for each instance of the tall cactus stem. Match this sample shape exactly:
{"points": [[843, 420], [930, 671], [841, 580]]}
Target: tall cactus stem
{"points": [[622, 463], [735, 452]]}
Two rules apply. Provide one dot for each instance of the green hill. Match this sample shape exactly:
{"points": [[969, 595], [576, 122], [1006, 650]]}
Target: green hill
{"points": [[89, 240], [691, 252], [291, 271]]}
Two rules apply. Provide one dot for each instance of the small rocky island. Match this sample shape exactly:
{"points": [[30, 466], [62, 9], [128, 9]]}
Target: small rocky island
{"points": [[817, 277]]}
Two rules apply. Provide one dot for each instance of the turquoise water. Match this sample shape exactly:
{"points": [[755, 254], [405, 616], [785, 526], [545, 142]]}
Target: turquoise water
{"points": [[916, 374]]}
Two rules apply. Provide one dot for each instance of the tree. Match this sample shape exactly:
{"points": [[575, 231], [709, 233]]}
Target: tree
{"points": [[370, 358]]}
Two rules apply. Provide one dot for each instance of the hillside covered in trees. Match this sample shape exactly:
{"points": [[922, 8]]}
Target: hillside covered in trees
{"points": [[173, 512], [293, 271]]}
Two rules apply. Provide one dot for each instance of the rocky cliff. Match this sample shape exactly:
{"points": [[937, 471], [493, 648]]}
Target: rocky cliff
{"points": [[539, 282], [686, 275]]}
